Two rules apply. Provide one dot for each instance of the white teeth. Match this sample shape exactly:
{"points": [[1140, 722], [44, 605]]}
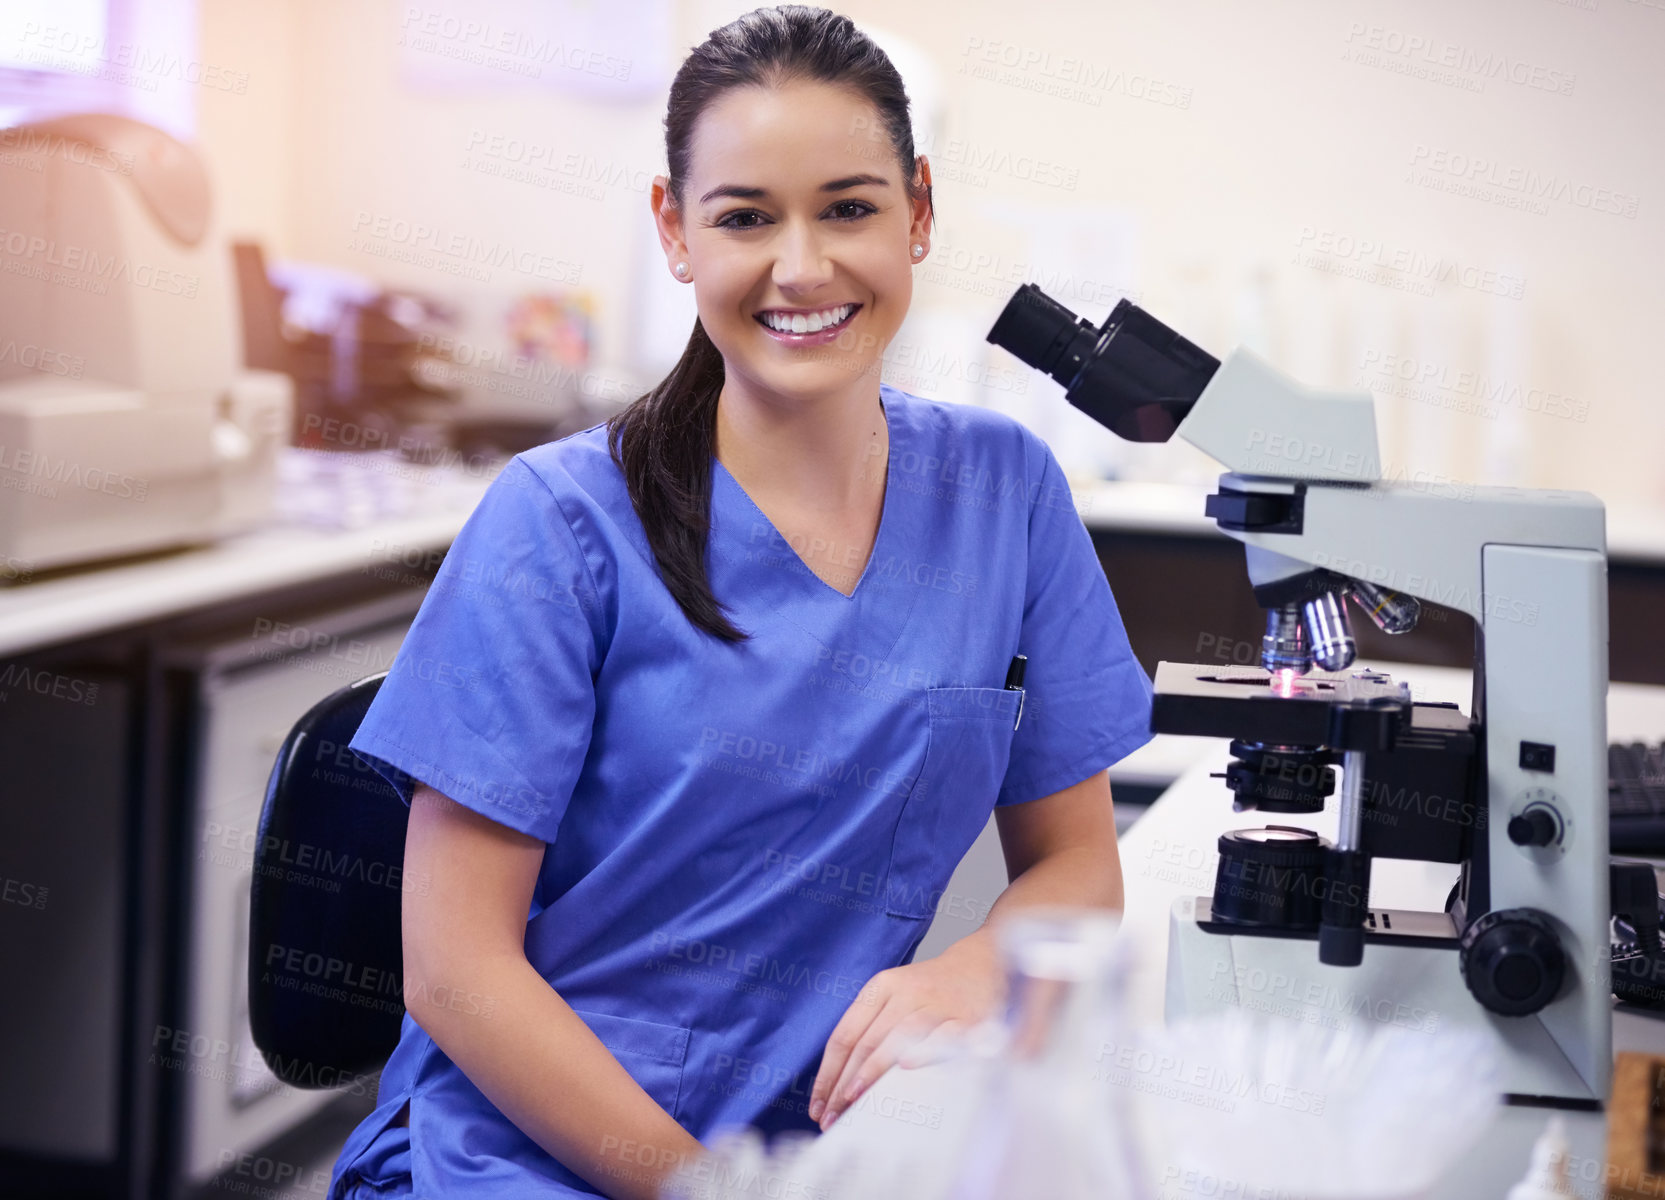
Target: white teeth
{"points": [[810, 323]]}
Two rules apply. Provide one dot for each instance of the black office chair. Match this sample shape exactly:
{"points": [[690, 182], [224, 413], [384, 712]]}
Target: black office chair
{"points": [[325, 960]]}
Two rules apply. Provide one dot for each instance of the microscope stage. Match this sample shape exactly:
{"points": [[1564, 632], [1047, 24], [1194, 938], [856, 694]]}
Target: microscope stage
{"points": [[1252, 705]]}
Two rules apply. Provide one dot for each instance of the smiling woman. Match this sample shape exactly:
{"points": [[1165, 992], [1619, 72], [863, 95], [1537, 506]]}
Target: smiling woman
{"points": [[613, 824], [795, 201]]}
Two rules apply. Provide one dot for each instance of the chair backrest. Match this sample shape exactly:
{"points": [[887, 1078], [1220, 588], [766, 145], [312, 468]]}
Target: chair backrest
{"points": [[325, 960]]}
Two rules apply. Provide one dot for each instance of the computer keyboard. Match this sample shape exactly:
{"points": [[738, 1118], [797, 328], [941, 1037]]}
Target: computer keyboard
{"points": [[1636, 798]]}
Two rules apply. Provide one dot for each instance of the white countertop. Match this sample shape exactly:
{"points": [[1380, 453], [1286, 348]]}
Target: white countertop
{"points": [[66, 605]]}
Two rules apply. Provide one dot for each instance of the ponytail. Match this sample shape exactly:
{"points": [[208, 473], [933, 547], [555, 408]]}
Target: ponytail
{"points": [[664, 443]]}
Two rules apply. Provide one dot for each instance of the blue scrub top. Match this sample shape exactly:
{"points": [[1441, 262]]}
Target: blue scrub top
{"points": [[740, 835]]}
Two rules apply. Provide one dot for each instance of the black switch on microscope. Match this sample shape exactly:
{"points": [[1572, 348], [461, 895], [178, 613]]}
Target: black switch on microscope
{"points": [[1536, 756]]}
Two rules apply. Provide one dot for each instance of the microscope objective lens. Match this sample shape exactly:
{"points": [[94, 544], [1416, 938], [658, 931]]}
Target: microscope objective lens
{"points": [[1329, 633], [1284, 646]]}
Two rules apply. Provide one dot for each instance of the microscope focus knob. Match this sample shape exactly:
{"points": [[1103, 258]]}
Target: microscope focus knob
{"points": [[1534, 827], [1512, 961]]}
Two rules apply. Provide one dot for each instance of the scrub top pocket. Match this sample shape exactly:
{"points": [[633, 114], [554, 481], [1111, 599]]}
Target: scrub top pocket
{"points": [[653, 1053], [950, 802]]}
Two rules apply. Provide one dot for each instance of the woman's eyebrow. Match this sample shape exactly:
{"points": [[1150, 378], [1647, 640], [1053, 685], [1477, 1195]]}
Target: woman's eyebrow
{"points": [[755, 193]]}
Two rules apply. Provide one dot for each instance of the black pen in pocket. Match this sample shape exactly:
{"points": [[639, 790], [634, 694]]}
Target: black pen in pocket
{"points": [[1014, 683]]}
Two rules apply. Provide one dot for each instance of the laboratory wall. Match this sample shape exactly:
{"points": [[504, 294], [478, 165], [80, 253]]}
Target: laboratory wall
{"points": [[1459, 207]]}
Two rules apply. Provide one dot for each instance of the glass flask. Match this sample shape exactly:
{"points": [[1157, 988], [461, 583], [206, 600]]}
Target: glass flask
{"points": [[1050, 1124]]}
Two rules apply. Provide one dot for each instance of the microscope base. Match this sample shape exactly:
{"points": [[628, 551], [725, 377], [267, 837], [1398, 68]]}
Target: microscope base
{"points": [[1409, 979]]}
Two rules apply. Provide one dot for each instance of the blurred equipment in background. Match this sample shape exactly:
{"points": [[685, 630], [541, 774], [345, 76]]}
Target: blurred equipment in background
{"points": [[381, 369], [1636, 798], [1635, 1166], [126, 421], [349, 347], [1637, 947]]}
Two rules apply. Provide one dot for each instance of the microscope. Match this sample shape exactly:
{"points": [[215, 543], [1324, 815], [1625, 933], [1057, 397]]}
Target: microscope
{"points": [[1514, 794]]}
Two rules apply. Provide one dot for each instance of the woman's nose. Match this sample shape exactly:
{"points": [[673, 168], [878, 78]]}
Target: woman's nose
{"points": [[801, 260]]}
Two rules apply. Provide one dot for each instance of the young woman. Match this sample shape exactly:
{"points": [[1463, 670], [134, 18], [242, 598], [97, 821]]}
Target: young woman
{"points": [[706, 704]]}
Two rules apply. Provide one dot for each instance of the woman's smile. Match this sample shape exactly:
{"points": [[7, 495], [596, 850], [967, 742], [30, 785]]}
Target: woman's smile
{"points": [[807, 327]]}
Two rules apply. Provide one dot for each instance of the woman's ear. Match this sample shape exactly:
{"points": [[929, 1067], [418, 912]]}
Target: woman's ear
{"points": [[921, 219], [667, 218]]}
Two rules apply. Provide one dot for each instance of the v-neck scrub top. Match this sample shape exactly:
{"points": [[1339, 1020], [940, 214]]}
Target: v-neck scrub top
{"points": [[740, 835]]}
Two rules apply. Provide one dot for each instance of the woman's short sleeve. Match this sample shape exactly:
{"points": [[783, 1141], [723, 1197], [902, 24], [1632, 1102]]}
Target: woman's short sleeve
{"points": [[491, 697], [1087, 700]]}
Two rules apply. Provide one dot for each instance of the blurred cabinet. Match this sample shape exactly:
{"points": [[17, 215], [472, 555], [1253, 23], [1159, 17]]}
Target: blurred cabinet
{"points": [[133, 766]]}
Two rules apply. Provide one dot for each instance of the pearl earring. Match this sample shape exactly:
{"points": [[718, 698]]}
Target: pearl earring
{"points": [[682, 270], [918, 250]]}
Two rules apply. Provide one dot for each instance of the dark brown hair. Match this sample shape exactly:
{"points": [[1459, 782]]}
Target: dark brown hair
{"points": [[664, 441]]}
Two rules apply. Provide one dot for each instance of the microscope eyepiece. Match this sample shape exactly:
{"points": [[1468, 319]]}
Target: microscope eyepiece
{"points": [[1038, 329], [1133, 375]]}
